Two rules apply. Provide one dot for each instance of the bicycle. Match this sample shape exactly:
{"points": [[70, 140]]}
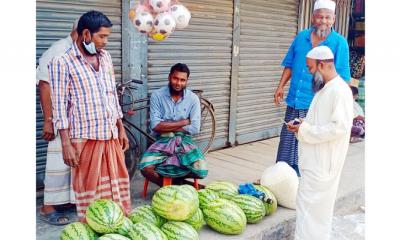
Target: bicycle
{"points": [[129, 108]]}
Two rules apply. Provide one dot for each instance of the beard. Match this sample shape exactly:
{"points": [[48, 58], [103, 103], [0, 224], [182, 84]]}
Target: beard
{"points": [[318, 82], [174, 92], [322, 33]]}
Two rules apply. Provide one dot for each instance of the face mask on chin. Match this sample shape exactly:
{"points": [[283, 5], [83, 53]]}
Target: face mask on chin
{"points": [[89, 47], [318, 82]]}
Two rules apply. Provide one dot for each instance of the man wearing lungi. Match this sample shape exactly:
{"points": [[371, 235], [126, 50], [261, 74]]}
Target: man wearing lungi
{"points": [[88, 117], [57, 181], [300, 92], [174, 118]]}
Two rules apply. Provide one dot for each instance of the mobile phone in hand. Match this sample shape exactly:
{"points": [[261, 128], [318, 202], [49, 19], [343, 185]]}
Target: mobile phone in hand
{"points": [[296, 121]]}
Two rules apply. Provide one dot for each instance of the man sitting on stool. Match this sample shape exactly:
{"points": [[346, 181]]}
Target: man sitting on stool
{"points": [[174, 118]]}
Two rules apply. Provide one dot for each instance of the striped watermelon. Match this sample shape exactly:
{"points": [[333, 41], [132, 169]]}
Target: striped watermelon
{"points": [[104, 216], [77, 230], [179, 231], [252, 207], [225, 190], [145, 212], [270, 201], [113, 236], [125, 227], [193, 191], [146, 231], [177, 203], [196, 220], [225, 216], [205, 196]]}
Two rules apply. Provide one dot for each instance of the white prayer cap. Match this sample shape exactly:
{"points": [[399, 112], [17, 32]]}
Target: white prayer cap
{"points": [[328, 4], [320, 53]]}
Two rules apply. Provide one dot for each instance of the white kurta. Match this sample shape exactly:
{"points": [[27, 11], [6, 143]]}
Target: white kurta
{"points": [[57, 182], [323, 142]]}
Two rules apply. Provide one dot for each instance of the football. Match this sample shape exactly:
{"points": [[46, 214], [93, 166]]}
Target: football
{"points": [[164, 23], [181, 15], [143, 22], [160, 5]]}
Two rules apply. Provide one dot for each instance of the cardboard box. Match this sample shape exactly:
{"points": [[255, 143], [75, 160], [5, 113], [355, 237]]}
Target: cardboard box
{"points": [[359, 26], [354, 82], [359, 41]]}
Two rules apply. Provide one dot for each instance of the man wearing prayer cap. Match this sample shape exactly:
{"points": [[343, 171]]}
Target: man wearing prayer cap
{"points": [[300, 92], [323, 142]]}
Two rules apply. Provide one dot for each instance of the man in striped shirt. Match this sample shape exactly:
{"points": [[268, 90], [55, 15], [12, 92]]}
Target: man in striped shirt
{"points": [[88, 117]]}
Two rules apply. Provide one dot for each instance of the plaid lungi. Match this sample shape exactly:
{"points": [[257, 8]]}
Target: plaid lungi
{"points": [[57, 181], [101, 174], [288, 144], [175, 155]]}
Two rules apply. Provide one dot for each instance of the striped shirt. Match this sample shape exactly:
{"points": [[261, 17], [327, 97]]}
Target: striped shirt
{"points": [[84, 100]]}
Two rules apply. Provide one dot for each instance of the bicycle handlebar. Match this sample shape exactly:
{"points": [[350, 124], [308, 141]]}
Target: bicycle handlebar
{"points": [[133, 81]]}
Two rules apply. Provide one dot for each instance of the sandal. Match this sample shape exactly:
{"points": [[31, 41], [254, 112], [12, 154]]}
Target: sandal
{"points": [[53, 218]]}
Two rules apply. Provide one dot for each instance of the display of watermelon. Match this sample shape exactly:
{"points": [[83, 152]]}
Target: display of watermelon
{"points": [[179, 231], [270, 202], [224, 190], [177, 203], [252, 207], [104, 216], [205, 196], [146, 231], [196, 220], [224, 216], [77, 230], [145, 212], [125, 227], [113, 236]]}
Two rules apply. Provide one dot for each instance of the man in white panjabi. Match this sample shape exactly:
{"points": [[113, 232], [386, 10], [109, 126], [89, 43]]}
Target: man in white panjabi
{"points": [[323, 143]]}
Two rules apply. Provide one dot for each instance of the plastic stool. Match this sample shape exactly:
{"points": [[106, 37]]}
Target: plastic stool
{"points": [[166, 182]]}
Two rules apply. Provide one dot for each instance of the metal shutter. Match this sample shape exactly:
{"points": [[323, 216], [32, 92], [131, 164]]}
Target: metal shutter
{"points": [[267, 30], [206, 47], [54, 21]]}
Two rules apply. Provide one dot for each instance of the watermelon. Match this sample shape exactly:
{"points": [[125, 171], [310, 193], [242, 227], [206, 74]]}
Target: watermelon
{"points": [[270, 202], [145, 212], [77, 230], [125, 227], [225, 190], [146, 231], [104, 216], [225, 216], [176, 203], [252, 207], [179, 231], [196, 220], [113, 236], [205, 196]]}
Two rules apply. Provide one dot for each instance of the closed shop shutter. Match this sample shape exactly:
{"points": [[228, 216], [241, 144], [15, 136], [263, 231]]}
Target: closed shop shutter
{"points": [[54, 21], [267, 30], [206, 47]]}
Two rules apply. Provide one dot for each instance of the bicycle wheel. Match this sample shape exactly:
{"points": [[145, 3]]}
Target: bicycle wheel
{"points": [[206, 136], [132, 154]]}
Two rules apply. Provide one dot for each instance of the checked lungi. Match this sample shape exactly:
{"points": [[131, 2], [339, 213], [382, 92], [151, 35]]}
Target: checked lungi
{"points": [[101, 174], [175, 155], [288, 144]]}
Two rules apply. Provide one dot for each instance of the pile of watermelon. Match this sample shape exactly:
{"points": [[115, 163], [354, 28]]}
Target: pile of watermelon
{"points": [[176, 212]]}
